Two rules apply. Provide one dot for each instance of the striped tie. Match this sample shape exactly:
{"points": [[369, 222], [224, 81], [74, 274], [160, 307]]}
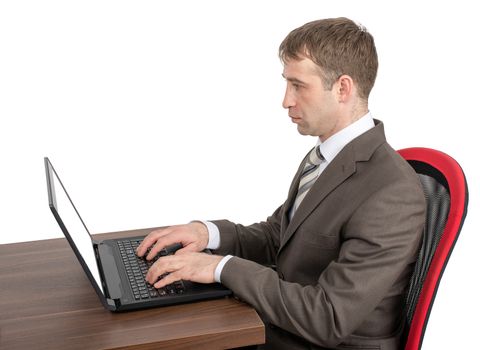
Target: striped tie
{"points": [[309, 175]]}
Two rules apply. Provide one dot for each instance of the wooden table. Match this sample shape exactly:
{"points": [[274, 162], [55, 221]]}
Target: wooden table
{"points": [[47, 302]]}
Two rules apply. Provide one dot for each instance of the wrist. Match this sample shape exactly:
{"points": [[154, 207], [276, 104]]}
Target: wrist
{"points": [[201, 230]]}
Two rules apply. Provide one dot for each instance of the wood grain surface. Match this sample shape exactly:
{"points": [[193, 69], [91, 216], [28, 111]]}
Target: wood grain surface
{"points": [[47, 302]]}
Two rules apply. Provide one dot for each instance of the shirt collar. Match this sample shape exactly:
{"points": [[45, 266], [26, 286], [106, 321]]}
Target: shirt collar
{"points": [[335, 143]]}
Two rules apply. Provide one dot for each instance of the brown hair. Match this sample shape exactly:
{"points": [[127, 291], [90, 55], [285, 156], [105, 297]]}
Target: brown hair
{"points": [[338, 46]]}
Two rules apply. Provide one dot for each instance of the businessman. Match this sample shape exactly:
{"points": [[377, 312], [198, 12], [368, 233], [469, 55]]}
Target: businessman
{"points": [[329, 268]]}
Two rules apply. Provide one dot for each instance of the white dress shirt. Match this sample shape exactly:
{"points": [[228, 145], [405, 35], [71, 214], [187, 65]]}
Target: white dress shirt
{"points": [[329, 149]]}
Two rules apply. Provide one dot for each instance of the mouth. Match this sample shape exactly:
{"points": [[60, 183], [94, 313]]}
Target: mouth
{"points": [[294, 119]]}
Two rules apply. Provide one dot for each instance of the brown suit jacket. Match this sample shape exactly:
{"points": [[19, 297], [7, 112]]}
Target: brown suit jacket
{"points": [[344, 260]]}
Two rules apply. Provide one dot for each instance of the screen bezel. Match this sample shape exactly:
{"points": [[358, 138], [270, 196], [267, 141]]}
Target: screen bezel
{"points": [[52, 202]]}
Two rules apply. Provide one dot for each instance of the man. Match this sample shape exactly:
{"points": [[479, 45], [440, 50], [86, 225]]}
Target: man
{"points": [[345, 240]]}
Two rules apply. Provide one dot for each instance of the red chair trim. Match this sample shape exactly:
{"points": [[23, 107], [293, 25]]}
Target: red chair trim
{"points": [[458, 201]]}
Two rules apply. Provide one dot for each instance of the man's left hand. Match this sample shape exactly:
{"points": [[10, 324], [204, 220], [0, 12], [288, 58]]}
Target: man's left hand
{"points": [[190, 266]]}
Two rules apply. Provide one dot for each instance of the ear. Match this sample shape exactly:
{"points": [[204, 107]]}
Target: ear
{"points": [[345, 88]]}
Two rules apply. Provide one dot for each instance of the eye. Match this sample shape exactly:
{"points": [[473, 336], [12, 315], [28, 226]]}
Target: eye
{"points": [[296, 86]]}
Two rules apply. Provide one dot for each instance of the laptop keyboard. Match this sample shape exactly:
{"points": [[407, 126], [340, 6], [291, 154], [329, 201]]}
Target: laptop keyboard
{"points": [[137, 269]]}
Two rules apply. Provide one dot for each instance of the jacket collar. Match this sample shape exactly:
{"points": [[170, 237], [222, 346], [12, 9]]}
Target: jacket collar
{"points": [[340, 169]]}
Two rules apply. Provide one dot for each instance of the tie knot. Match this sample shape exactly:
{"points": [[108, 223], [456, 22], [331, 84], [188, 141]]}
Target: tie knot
{"points": [[316, 156]]}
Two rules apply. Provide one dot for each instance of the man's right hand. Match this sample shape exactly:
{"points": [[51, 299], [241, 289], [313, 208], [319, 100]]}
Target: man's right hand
{"points": [[193, 237]]}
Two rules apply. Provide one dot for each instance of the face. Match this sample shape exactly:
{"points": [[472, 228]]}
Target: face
{"points": [[310, 106]]}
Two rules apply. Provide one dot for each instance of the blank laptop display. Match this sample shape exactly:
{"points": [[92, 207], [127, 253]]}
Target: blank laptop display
{"points": [[116, 273]]}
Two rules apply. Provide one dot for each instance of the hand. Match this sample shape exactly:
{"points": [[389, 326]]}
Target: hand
{"points": [[193, 237], [190, 266]]}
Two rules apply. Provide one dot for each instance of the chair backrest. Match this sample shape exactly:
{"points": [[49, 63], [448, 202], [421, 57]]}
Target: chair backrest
{"points": [[446, 193]]}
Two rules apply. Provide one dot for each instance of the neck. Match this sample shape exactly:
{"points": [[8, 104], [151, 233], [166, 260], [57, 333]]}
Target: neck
{"points": [[344, 121], [358, 111]]}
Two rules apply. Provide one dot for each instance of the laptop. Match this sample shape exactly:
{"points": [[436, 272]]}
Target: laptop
{"points": [[112, 267]]}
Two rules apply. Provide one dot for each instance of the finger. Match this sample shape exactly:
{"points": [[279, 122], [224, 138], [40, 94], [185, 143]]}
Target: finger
{"points": [[156, 270], [163, 266], [169, 279], [150, 239], [147, 242], [161, 243]]}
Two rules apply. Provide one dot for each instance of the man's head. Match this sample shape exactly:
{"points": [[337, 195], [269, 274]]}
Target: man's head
{"points": [[337, 46], [340, 56]]}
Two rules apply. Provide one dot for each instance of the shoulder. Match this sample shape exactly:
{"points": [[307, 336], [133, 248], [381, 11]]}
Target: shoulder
{"points": [[385, 171], [388, 161]]}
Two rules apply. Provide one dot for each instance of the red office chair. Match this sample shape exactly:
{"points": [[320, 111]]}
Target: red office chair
{"points": [[446, 192]]}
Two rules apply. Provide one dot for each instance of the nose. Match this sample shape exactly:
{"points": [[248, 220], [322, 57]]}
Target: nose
{"points": [[288, 100]]}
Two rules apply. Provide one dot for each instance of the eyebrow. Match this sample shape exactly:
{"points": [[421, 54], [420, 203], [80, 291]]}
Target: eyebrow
{"points": [[293, 80]]}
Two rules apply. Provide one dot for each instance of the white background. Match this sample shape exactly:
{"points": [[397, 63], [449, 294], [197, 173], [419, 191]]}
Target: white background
{"points": [[157, 112]]}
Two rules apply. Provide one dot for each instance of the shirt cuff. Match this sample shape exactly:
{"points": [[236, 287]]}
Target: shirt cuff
{"points": [[213, 235], [219, 268]]}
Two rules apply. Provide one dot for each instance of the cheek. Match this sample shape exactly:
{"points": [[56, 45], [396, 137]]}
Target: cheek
{"points": [[313, 106], [306, 102]]}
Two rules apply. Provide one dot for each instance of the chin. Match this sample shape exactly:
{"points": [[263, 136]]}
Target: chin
{"points": [[303, 131]]}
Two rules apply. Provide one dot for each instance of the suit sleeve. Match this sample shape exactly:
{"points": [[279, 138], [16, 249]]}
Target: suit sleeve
{"points": [[258, 242], [380, 241]]}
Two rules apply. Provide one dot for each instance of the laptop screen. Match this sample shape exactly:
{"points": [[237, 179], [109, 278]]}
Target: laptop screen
{"points": [[71, 223]]}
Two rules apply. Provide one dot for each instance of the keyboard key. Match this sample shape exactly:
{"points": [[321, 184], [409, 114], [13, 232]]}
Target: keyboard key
{"points": [[137, 269]]}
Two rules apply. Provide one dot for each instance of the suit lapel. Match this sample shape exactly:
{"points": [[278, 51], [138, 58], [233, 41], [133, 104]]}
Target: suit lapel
{"points": [[341, 168], [338, 171]]}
